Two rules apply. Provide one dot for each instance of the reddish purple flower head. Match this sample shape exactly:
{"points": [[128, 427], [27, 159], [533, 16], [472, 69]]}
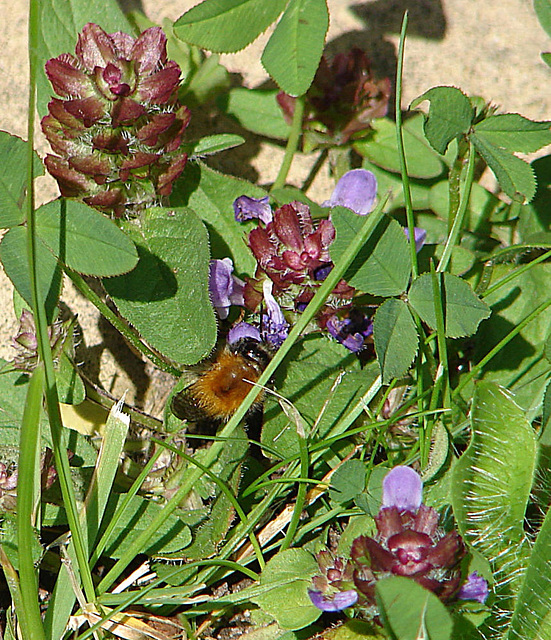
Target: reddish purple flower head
{"points": [[117, 127], [290, 248]]}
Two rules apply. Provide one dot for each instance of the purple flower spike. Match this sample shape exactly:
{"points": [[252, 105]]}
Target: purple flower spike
{"points": [[276, 328], [341, 600], [247, 208], [403, 489], [243, 330], [356, 190], [225, 289], [475, 588], [420, 236]]}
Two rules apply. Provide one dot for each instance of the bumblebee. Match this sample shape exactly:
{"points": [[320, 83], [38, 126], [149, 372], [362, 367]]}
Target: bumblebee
{"points": [[216, 387]]}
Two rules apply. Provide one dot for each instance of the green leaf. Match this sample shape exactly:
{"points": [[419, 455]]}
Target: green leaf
{"points": [[227, 26], [463, 309], [515, 176], [60, 22], [313, 382], [513, 132], [519, 367], [294, 50], [166, 296], [348, 481], [13, 159], [491, 483], [211, 195], [410, 612], [450, 115], [256, 110], [543, 11], [289, 575], [532, 614], [84, 239], [381, 148], [352, 630], [214, 144], [395, 337], [546, 57], [383, 265], [13, 255]]}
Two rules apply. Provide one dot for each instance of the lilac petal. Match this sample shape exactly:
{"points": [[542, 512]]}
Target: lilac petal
{"points": [[246, 208], [403, 489], [341, 600], [356, 190], [475, 588], [276, 328], [420, 236], [243, 330], [225, 289]]}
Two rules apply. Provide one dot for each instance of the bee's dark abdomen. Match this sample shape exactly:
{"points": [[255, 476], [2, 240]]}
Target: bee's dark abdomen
{"points": [[185, 407]]}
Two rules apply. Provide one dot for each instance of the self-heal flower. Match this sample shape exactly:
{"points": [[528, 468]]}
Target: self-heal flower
{"points": [[356, 190], [274, 326], [290, 248], [117, 126], [408, 542], [225, 288], [475, 588], [247, 208]]}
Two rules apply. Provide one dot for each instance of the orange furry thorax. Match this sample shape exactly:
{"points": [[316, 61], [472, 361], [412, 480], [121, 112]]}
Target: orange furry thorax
{"points": [[221, 389]]}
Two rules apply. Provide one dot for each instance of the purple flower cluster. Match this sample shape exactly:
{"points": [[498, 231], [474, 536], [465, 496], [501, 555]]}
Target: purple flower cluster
{"points": [[408, 543]]}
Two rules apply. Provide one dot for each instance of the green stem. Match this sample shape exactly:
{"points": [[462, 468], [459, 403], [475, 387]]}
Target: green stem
{"points": [[129, 335], [302, 489], [292, 144], [52, 402], [457, 226], [455, 182], [401, 151], [27, 489]]}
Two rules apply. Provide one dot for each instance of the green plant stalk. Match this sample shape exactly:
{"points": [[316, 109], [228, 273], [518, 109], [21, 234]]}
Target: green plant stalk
{"points": [[317, 301], [301, 492], [129, 335], [29, 457], [457, 226], [441, 383], [52, 402], [292, 144], [499, 346], [517, 272], [455, 182], [225, 490], [401, 151]]}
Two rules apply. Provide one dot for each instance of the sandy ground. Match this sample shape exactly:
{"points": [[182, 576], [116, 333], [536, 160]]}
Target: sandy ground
{"points": [[489, 48]]}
